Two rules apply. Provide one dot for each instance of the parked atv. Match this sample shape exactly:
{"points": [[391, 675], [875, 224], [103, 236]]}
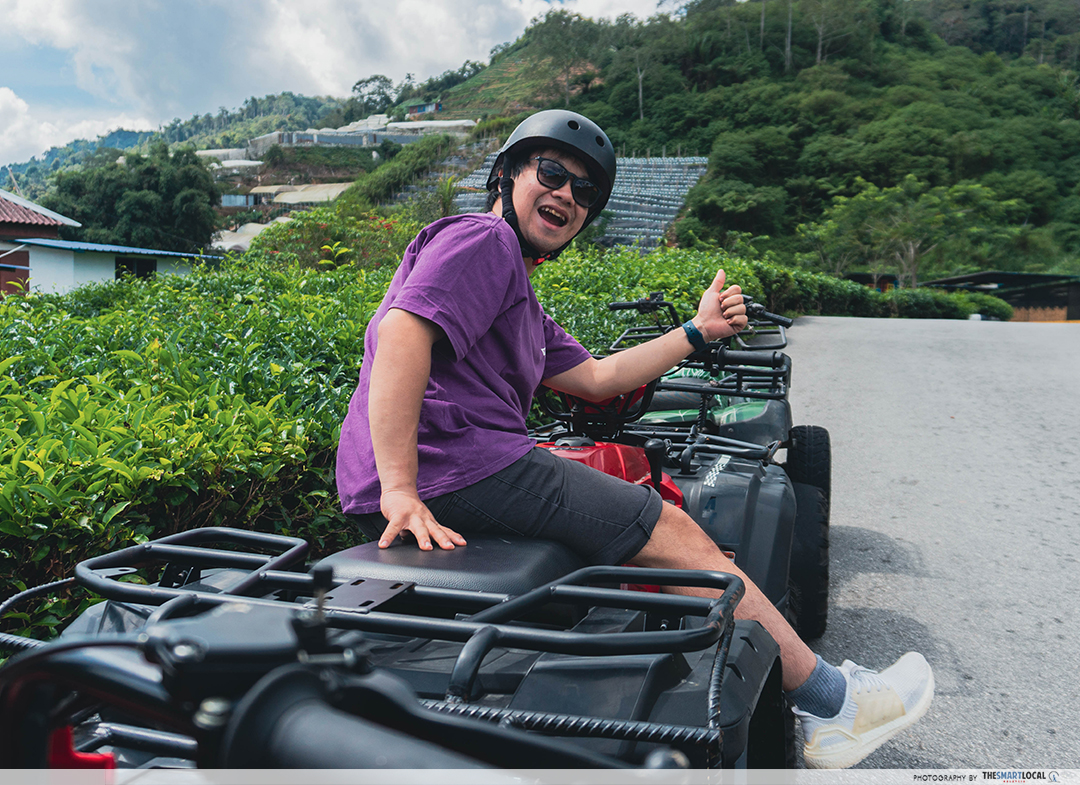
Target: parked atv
{"points": [[742, 394], [504, 654]]}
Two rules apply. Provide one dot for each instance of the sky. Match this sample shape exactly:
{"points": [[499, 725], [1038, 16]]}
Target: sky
{"points": [[77, 69]]}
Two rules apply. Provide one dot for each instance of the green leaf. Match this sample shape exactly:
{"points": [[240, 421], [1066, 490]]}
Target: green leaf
{"points": [[8, 362], [116, 466], [35, 467], [8, 526], [48, 493], [113, 511]]}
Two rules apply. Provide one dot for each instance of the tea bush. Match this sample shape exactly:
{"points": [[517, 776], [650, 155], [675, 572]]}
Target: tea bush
{"points": [[134, 409], [331, 236], [576, 288]]}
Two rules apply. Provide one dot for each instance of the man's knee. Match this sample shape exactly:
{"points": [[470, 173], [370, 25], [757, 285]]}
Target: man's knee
{"points": [[678, 542]]}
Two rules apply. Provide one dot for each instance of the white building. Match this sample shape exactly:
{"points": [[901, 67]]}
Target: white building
{"points": [[32, 257]]}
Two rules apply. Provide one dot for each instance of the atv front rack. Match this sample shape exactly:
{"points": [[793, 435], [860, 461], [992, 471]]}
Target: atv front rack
{"points": [[735, 374]]}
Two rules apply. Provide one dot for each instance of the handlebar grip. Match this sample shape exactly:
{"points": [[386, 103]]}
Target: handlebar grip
{"points": [[622, 306], [776, 318], [757, 311], [727, 356], [313, 735], [285, 722]]}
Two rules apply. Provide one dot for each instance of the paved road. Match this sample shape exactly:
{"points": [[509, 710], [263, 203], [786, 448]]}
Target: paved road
{"points": [[956, 504]]}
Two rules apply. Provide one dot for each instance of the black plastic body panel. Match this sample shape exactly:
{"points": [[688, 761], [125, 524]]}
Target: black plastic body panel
{"points": [[749, 508]]}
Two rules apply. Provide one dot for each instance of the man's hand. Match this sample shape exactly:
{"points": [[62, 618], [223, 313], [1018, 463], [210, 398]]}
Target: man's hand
{"points": [[721, 311], [406, 513]]}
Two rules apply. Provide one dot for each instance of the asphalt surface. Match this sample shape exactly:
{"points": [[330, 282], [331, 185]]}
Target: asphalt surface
{"points": [[955, 512]]}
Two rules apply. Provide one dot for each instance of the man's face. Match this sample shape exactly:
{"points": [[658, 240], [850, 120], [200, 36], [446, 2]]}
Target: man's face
{"points": [[548, 219]]}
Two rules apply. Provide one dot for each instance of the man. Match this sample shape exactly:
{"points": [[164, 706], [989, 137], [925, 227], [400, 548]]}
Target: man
{"points": [[435, 441]]}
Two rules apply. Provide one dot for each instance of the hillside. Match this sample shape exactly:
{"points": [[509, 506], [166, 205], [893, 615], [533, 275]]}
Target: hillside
{"points": [[825, 122], [510, 85], [282, 112]]}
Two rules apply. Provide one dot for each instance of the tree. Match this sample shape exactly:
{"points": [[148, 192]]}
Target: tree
{"points": [[163, 201], [787, 38], [901, 226], [831, 20], [568, 39], [375, 93], [631, 52]]}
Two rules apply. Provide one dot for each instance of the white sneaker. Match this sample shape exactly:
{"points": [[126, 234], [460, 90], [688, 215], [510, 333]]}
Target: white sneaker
{"points": [[877, 707]]}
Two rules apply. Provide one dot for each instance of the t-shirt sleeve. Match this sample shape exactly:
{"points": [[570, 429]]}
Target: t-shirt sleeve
{"points": [[563, 351], [461, 281]]}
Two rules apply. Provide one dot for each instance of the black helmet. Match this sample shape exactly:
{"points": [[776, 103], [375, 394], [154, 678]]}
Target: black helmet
{"points": [[561, 130]]}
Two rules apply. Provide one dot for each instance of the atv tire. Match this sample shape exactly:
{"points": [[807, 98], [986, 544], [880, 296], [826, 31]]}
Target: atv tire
{"points": [[809, 457], [809, 572]]}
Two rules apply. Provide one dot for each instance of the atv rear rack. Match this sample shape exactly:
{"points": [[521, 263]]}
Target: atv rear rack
{"points": [[103, 576], [294, 618]]}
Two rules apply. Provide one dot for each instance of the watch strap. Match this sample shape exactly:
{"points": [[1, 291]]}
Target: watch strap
{"points": [[693, 334]]}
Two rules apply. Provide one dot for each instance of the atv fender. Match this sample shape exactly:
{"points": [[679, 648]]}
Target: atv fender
{"points": [[748, 508]]}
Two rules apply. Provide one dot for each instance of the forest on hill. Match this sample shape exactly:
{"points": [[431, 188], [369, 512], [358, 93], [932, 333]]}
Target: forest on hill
{"points": [[922, 137]]}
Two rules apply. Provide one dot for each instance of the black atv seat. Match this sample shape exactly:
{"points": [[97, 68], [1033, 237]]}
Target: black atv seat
{"points": [[505, 565]]}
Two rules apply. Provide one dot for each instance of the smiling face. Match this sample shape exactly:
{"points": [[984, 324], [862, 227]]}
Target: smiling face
{"points": [[548, 219]]}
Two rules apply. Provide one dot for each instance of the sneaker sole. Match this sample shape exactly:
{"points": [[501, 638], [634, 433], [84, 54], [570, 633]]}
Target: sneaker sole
{"points": [[871, 740]]}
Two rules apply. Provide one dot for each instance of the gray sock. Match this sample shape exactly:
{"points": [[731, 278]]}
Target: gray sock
{"points": [[823, 693]]}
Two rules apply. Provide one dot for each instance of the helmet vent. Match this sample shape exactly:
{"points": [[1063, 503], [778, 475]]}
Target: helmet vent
{"points": [[573, 125], [600, 141]]}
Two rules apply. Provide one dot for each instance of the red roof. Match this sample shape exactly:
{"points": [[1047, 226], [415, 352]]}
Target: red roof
{"points": [[10, 212]]}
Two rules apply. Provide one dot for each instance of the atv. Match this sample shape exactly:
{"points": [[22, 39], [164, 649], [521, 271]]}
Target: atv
{"points": [[224, 648], [742, 394], [218, 648]]}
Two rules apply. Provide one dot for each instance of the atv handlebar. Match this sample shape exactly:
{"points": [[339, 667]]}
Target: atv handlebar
{"points": [[727, 357], [757, 311], [654, 302]]}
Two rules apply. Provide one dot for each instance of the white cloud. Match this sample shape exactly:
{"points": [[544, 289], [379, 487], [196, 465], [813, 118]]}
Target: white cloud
{"points": [[163, 60], [24, 135]]}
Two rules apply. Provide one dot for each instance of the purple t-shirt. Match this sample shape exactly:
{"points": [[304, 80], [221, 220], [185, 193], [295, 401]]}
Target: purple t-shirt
{"points": [[464, 273]]}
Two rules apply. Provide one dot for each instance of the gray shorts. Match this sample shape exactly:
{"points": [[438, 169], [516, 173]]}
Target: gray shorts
{"points": [[603, 519]]}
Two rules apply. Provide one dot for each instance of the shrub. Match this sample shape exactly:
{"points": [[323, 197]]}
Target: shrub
{"points": [[576, 289], [330, 236], [990, 306], [927, 304], [413, 160], [137, 408]]}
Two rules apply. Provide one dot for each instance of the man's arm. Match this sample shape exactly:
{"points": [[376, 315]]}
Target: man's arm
{"points": [[399, 375], [721, 313]]}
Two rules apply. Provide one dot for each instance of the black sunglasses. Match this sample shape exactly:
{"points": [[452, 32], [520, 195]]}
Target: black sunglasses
{"points": [[552, 174]]}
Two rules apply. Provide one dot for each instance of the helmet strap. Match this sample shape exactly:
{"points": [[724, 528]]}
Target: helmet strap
{"points": [[506, 198]]}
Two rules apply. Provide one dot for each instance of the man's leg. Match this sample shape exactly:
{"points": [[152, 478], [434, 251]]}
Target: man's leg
{"points": [[847, 712], [679, 543]]}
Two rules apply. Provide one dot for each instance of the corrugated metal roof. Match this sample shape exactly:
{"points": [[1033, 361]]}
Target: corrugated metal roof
{"points": [[240, 240], [326, 192], [15, 209], [126, 250], [271, 189]]}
